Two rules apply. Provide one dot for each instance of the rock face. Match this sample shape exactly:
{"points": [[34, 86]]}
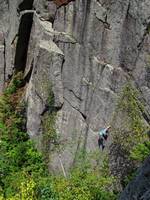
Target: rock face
{"points": [[86, 51], [139, 188]]}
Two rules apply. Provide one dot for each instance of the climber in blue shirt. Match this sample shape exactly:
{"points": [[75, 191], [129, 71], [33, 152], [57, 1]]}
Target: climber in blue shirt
{"points": [[103, 135]]}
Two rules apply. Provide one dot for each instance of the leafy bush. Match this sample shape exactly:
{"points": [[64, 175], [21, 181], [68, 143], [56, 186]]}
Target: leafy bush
{"points": [[129, 133], [22, 169], [131, 128], [141, 151], [85, 186], [14, 84], [86, 183]]}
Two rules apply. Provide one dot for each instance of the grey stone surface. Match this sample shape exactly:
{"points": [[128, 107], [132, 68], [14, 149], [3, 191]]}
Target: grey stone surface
{"points": [[3, 31], [105, 56], [11, 36], [46, 76], [46, 9]]}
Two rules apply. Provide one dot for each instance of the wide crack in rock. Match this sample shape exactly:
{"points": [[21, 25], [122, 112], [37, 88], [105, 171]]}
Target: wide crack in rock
{"points": [[23, 35], [23, 40]]}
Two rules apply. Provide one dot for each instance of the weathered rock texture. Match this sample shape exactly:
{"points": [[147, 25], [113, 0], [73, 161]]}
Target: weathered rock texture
{"points": [[86, 51], [139, 188]]}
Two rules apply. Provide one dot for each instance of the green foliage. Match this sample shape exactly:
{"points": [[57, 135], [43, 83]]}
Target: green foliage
{"points": [[141, 151], [129, 130], [132, 128], [15, 83], [49, 131], [86, 182], [23, 173], [27, 189], [50, 140], [89, 184]]}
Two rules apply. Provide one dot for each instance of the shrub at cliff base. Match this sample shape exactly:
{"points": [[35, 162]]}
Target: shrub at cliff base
{"points": [[23, 174]]}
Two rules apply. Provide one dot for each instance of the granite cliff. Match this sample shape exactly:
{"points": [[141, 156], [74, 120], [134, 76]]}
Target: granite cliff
{"points": [[81, 53]]}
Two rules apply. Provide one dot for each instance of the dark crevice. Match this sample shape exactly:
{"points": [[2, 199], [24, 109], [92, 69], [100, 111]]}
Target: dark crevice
{"points": [[46, 109], [63, 42], [64, 18], [74, 94], [62, 66], [23, 35], [105, 23], [146, 116], [83, 115], [129, 5], [102, 69], [145, 113], [37, 94], [4, 60], [52, 19], [147, 31], [25, 5], [71, 104], [23, 41], [14, 39], [49, 109]]}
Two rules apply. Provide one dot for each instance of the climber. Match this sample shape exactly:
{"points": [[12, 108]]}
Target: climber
{"points": [[103, 135]]}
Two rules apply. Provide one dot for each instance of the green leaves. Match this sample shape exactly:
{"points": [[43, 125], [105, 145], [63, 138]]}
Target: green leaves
{"points": [[81, 186], [21, 166], [129, 115], [87, 183], [15, 83], [141, 151]]}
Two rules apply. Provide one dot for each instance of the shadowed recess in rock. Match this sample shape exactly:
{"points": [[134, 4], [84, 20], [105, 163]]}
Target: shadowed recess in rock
{"points": [[23, 35], [22, 44], [26, 5]]}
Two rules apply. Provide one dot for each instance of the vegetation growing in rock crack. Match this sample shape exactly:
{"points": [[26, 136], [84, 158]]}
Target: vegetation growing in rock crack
{"points": [[50, 140]]}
